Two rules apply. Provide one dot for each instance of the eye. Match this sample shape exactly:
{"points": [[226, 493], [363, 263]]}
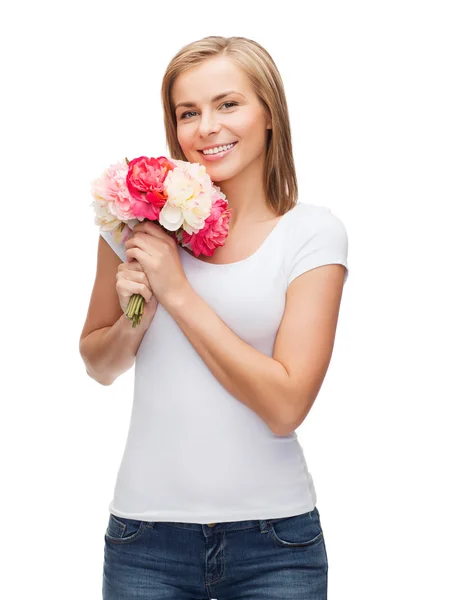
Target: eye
{"points": [[231, 103], [183, 116], [191, 112]]}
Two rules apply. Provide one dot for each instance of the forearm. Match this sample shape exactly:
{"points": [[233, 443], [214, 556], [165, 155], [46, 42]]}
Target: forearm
{"points": [[257, 380], [109, 352]]}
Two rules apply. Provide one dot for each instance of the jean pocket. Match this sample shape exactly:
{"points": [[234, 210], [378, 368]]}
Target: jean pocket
{"points": [[123, 531], [299, 531]]}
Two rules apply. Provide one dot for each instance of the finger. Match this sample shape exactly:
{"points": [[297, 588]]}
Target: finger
{"points": [[137, 253], [141, 239], [135, 273], [133, 264], [135, 288], [153, 228]]}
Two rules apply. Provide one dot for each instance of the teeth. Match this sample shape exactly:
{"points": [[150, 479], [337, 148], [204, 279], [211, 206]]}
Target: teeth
{"points": [[217, 149]]}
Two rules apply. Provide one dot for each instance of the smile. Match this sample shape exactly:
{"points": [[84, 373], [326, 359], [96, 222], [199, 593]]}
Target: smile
{"points": [[218, 152]]}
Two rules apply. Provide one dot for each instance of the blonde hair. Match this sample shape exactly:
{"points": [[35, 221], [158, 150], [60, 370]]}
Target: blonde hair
{"points": [[279, 178]]}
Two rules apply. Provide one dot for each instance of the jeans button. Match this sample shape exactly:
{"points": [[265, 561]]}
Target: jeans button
{"points": [[211, 524]]}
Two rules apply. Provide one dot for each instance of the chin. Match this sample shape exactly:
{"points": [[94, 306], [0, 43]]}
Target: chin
{"points": [[219, 175]]}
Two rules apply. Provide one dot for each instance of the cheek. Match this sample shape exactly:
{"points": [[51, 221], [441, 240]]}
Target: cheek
{"points": [[186, 138], [182, 135], [246, 126]]}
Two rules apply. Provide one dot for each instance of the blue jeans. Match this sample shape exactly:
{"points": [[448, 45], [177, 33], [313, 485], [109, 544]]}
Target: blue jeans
{"points": [[274, 559]]}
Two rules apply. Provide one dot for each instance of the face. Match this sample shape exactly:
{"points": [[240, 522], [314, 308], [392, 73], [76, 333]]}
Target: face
{"points": [[205, 121]]}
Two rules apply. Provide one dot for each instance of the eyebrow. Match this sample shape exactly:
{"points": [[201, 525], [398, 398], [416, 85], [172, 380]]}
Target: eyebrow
{"points": [[215, 99]]}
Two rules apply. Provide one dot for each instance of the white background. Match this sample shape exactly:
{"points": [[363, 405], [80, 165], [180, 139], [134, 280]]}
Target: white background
{"points": [[367, 88]]}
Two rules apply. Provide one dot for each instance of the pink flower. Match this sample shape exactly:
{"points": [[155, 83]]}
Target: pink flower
{"points": [[145, 180], [214, 232], [111, 188]]}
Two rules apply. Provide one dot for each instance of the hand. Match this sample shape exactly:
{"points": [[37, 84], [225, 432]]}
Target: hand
{"points": [[131, 279], [157, 253]]}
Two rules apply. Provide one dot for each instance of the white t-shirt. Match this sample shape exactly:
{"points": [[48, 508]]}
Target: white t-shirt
{"points": [[195, 453]]}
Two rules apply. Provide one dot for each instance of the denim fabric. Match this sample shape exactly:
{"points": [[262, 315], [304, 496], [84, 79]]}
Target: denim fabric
{"points": [[274, 559]]}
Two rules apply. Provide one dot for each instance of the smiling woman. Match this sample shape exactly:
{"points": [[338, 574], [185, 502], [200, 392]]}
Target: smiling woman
{"points": [[233, 133], [232, 363]]}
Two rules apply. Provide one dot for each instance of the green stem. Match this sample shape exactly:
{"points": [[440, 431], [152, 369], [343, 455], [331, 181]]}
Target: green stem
{"points": [[132, 305]]}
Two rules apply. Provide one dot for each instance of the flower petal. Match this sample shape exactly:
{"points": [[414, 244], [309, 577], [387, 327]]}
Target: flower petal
{"points": [[171, 217]]}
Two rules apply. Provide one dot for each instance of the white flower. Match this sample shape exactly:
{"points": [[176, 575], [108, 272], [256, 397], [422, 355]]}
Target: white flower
{"points": [[103, 216], [189, 192]]}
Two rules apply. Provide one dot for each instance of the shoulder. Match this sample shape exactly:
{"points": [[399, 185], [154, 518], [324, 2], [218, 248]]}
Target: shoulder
{"points": [[315, 236], [313, 218]]}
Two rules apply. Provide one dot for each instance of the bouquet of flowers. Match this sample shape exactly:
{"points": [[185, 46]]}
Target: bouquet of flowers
{"points": [[178, 195]]}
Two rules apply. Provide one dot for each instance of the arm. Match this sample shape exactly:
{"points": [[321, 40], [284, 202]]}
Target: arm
{"points": [[281, 389], [110, 351], [108, 342]]}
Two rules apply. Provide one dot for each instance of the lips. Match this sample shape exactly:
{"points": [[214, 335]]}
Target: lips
{"points": [[216, 146], [217, 156]]}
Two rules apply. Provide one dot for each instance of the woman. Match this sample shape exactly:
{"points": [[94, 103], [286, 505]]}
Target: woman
{"points": [[213, 497]]}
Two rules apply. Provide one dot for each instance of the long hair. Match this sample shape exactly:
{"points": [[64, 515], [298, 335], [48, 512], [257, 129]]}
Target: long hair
{"points": [[279, 177]]}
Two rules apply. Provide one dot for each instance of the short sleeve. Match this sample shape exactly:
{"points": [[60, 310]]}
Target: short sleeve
{"points": [[322, 241], [119, 249]]}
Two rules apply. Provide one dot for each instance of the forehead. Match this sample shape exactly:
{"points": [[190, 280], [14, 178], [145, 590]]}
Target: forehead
{"points": [[213, 76]]}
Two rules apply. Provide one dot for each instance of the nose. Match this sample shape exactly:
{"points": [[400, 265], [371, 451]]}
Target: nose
{"points": [[208, 125]]}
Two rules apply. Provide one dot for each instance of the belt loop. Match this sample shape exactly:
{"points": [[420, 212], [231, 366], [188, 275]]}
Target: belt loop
{"points": [[263, 526]]}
